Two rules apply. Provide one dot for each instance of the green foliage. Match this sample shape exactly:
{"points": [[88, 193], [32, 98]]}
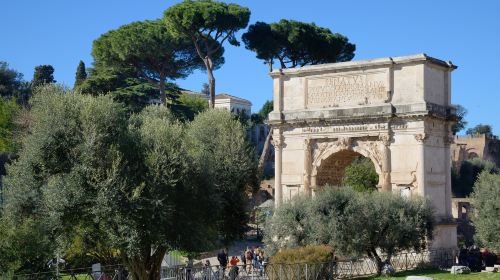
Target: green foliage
{"points": [[8, 111], [353, 223], [191, 106], [205, 90], [480, 129], [266, 109], [218, 145], [10, 81], [294, 43], [208, 24], [463, 180], [486, 205], [361, 175], [12, 84], [24, 246], [206, 19], [263, 114], [104, 185], [81, 74], [307, 254], [150, 50], [44, 74], [461, 123], [123, 85]]}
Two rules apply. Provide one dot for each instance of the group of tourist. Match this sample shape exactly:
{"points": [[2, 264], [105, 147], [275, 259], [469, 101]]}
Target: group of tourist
{"points": [[476, 259], [251, 259]]}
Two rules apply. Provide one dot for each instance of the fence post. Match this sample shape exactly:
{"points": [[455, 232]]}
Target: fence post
{"points": [[307, 278], [350, 273], [406, 261]]}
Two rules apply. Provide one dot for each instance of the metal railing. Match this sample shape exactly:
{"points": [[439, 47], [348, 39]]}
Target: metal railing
{"points": [[106, 273], [340, 269]]}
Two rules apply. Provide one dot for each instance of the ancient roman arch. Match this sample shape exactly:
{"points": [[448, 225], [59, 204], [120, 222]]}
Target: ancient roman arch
{"points": [[395, 111]]}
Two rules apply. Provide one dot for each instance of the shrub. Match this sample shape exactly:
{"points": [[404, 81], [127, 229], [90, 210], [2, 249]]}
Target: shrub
{"points": [[354, 223], [361, 175], [294, 264], [307, 254]]}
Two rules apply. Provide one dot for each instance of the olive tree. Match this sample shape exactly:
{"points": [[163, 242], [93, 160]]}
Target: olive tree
{"points": [[129, 182], [486, 205], [354, 224]]}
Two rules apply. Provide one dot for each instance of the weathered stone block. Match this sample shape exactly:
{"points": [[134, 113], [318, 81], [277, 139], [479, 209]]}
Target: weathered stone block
{"points": [[460, 269]]}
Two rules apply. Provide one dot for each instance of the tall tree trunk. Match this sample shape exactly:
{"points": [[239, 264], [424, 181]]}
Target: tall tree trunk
{"points": [[146, 269], [163, 95], [372, 253], [270, 65], [211, 81], [263, 156], [211, 86]]}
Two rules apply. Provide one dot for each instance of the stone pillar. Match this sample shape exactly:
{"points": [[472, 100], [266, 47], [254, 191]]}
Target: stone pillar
{"points": [[278, 187], [307, 166], [448, 140], [421, 163], [386, 185]]}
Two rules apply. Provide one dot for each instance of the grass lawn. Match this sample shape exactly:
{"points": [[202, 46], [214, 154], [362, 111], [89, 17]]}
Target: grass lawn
{"points": [[440, 275]]}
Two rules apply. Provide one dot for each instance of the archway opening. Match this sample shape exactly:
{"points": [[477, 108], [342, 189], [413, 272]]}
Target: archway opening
{"points": [[348, 168]]}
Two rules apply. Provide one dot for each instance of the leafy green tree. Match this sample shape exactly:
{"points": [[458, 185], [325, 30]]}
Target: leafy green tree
{"points": [[296, 44], [461, 123], [193, 105], [125, 86], [205, 90], [100, 182], [266, 109], [361, 175], [224, 157], [463, 182], [81, 74], [8, 111], [44, 74], [12, 84], [150, 50], [486, 202], [480, 129], [208, 24], [353, 223], [10, 80], [25, 246]]}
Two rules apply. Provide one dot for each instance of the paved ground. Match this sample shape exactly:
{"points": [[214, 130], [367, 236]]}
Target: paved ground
{"points": [[234, 250]]}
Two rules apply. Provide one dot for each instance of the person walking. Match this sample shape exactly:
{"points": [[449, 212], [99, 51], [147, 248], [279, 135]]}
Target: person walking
{"points": [[223, 260], [249, 259]]}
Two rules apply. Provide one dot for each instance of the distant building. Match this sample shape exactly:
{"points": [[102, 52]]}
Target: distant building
{"points": [[234, 104], [475, 146]]}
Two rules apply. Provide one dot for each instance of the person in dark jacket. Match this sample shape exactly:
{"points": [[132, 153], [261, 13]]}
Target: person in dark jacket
{"points": [[223, 259]]}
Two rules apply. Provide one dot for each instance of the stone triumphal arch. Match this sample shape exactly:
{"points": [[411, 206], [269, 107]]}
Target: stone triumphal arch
{"points": [[395, 111]]}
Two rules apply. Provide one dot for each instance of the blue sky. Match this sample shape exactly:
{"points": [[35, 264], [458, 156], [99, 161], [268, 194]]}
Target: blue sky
{"points": [[60, 33]]}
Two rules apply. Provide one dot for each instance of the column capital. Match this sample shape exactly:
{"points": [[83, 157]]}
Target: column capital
{"points": [[421, 137], [385, 139]]}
